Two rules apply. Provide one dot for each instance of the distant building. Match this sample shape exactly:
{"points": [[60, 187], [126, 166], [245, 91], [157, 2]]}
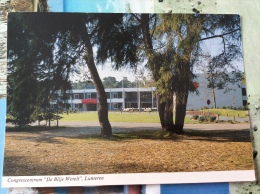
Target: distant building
{"points": [[117, 99], [235, 97], [140, 99]]}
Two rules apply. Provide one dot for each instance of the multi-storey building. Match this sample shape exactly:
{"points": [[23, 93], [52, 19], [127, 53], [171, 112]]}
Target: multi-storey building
{"points": [[140, 99], [117, 99]]}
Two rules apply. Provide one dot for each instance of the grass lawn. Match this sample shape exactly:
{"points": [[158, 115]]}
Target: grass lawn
{"points": [[142, 117], [227, 112]]}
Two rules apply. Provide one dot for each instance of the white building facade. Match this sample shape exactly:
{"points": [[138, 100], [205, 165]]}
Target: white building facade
{"points": [[118, 99], [142, 99]]}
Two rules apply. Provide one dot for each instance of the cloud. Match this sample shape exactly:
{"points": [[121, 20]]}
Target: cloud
{"points": [[99, 8], [109, 3]]}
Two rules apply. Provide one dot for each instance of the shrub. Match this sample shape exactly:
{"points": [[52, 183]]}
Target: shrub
{"points": [[212, 118], [195, 117], [202, 119], [245, 107], [207, 118]]}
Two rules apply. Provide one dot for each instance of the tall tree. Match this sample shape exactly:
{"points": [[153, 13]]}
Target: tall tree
{"points": [[103, 107], [134, 43], [71, 37], [188, 32], [172, 45]]}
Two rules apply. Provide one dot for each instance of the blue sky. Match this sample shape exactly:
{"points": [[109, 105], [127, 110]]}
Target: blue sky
{"points": [[56, 5], [106, 6]]}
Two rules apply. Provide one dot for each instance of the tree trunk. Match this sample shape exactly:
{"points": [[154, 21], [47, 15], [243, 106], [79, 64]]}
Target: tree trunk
{"points": [[161, 109], [154, 67], [214, 98], [106, 130], [168, 114], [181, 102]]}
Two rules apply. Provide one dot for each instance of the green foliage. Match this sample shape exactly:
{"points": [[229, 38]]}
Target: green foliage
{"points": [[228, 112], [202, 118], [81, 85], [36, 67], [109, 82], [207, 118], [195, 117]]}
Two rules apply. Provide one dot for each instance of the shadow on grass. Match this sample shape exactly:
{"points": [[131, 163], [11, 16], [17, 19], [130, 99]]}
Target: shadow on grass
{"points": [[220, 135], [48, 134], [33, 129], [216, 136]]}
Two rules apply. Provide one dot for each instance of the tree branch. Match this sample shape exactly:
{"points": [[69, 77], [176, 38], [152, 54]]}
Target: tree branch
{"points": [[221, 35]]}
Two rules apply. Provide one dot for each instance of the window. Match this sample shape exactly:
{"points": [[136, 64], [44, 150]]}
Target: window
{"points": [[244, 91], [244, 102], [115, 106], [76, 96], [115, 95], [93, 95], [76, 105], [88, 96]]}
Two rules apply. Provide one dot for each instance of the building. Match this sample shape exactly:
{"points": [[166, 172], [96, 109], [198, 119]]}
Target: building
{"points": [[118, 99], [235, 96], [142, 99]]}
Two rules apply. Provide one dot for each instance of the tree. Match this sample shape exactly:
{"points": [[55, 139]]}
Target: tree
{"points": [[220, 73], [125, 83], [171, 43], [134, 44], [187, 32], [106, 130], [33, 76], [110, 82], [71, 37]]}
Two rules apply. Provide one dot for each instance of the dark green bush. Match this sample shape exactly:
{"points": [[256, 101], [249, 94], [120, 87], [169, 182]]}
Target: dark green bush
{"points": [[195, 117], [202, 119], [207, 118], [212, 118]]}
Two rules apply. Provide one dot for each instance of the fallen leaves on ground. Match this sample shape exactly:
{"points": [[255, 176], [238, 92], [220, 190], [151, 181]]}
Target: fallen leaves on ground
{"points": [[49, 153]]}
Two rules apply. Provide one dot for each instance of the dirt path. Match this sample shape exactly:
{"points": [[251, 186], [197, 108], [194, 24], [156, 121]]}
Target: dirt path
{"points": [[90, 128], [93, 127]]}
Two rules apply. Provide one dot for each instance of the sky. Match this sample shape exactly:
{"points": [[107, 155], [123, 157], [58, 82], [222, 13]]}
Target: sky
{"points": [[107, 6], [110, 6], [55, 5]]}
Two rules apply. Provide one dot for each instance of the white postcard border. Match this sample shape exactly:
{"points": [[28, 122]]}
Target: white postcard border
{"points": [[129, 179]]}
